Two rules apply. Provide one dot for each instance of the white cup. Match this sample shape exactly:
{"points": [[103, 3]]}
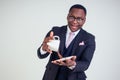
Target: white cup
{"points": [[54, 44]]}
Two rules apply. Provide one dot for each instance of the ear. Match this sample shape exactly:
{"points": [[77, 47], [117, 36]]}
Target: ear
{"points": [[67, 16]]}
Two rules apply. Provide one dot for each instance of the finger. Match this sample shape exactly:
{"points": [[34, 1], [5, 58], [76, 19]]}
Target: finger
{"points": [[48, 50], [63, 63], [56, 62], [59, 55], [51, 34], [73, 58], [45, 40]]}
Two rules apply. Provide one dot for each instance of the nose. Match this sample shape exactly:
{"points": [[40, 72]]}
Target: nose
{"points": [[75, 21]]}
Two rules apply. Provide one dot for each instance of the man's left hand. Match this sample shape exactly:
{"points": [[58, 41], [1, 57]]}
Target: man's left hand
{"points": [[67, 62]]}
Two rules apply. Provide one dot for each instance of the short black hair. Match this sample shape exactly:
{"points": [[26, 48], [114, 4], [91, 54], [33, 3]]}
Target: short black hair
{"points": [[78, 6]]}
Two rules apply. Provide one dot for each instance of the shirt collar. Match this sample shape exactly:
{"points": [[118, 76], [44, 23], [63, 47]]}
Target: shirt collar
{"points": [[68, 31]]}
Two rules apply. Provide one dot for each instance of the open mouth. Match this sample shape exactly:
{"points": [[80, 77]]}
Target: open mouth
{"points": [[74, 27]]}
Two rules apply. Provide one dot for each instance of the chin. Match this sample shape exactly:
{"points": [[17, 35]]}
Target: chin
{"points": [[74, 29]]}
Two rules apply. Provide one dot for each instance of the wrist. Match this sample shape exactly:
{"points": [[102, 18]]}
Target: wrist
{"points": [[42, 51], [73, 66]]}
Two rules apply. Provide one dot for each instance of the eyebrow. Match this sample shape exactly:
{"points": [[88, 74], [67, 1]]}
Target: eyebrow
{"points": [[76, 17]]}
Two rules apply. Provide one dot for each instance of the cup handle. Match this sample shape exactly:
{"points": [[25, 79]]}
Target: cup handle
{"points": [[56, 37]]}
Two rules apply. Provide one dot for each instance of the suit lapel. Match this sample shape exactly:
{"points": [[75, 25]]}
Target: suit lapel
{"points": [[62, 39], [78, 39]]}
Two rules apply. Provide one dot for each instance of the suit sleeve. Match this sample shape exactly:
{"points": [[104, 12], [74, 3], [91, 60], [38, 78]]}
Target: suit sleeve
{"points": [[41, 55], [83, 63]]}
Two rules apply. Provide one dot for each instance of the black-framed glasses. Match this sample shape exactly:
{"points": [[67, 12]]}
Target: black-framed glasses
{"points": [[72, 18]]}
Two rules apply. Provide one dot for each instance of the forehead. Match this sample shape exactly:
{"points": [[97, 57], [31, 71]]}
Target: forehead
{"points": [[77, 12]]}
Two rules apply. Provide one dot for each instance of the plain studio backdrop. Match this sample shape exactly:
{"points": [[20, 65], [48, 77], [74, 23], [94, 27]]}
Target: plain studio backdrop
{"points": [[24, 24]]}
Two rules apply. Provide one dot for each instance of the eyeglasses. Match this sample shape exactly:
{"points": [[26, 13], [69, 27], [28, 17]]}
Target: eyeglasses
{"points": [[72, 18]]}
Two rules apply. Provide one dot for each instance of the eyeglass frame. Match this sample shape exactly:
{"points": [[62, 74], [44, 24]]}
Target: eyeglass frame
{"points": [[72, 18]]}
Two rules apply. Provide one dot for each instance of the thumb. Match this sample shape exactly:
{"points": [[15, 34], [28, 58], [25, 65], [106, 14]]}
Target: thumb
{"points": [[73, 58], [51, 34]]}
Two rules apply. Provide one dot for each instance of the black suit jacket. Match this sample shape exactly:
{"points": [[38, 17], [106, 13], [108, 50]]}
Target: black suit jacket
{"points": [[83, 48]]}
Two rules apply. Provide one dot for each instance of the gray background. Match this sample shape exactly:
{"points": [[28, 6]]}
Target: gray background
{"points": [[24, 23]]}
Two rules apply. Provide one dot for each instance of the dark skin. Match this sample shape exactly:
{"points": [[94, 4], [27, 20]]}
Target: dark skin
{"points": [[76, 18], [75, 24]]}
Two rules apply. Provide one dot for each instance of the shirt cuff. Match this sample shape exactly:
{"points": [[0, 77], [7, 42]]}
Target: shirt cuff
{"points": [[42, 52], [72, 67]]}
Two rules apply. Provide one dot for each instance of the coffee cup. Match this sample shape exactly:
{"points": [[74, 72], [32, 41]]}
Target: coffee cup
{"points": [[54, 44]]}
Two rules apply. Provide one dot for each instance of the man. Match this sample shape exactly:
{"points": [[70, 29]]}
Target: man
{"points": [[81, 48]]}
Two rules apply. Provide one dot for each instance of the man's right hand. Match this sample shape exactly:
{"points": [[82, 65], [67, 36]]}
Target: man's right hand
{"points": [[45, 47]]}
